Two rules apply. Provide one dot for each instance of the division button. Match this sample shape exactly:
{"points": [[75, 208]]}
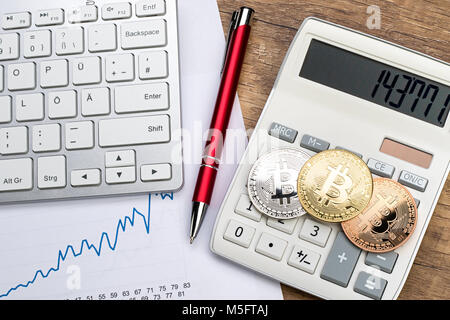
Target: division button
{"points": [[341, 261], [155, 172], [380, 168], [369, 285], [88, 177], [313, 143], [413, 181], [281, 132], [120, 175]]}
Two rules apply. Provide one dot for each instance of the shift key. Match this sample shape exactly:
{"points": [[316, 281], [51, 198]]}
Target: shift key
{"points": [[140, 98], [134, 131]]}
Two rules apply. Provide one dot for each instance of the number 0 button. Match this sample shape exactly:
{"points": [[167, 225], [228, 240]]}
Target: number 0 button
{"points": [[239, 233], [315, 232]]}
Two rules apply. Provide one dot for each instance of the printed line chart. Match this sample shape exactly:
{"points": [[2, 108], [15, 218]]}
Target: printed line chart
{"points": [[105, 242]]}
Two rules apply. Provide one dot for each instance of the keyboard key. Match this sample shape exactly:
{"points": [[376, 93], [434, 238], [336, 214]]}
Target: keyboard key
{"points": [[239, 233], [51, 172], [369, 285], [120, 175], [121, 10], [95, 101], [102, 37], [83, 178], [46, 137], [13, 140], [315, 232], [313, 143], [16, 20], [37, 44], [153, 65], [16, 174], [86, 71], [355, 153], [9, 46], [154, 172], [281, 132], [143, 34], [341, 261], [139, 130], [413, 181], [5, 109], [246, 209], [143, 97], [271, 246], [384, 261], [69, 40], [50, 17], [62, 104], [284, 225], [148, 8], [119, 67], [380, 168], [82, 14], [122, 158], [2, 75], [22, 76], [79, 135], [30, 107], [54, 73], [304, 259]]}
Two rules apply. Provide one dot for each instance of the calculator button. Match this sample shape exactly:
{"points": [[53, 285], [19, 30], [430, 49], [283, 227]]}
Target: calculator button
{"points": [[245, 208], [355, 153], [369, 285], [380, 168], [417, 202], [315, 232], [413, 181], [284, 225], [313, 143], [384, 261], [341, 261], [239, 233], [304, 259], [271, 246], [281, 132]]}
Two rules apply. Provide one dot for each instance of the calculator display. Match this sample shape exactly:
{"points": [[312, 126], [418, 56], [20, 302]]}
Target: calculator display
{"points": [[377, 82]]}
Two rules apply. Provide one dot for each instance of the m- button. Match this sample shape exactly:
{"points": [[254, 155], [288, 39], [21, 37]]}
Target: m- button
{"points": [[413, 181], [313, 143]]}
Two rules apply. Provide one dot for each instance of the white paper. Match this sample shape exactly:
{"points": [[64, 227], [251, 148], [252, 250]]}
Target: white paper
{"points": [[44, 247]]}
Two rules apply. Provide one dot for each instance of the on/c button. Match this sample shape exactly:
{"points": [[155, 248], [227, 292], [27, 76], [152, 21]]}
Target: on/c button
{"points": [[154, 172]]}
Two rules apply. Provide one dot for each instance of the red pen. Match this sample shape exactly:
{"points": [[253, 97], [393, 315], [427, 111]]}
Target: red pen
{"points": [[234, 57]]}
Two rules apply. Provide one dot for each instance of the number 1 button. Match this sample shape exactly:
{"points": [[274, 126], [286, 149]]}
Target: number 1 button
{"points": [[239, 233]]}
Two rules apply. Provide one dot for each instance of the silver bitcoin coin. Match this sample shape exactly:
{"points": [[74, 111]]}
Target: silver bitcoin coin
{"points": [[272, 183]]}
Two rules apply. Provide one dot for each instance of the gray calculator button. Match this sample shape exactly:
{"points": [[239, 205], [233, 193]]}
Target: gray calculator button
{"points": [[281, 132], [413, 181], [417, 202], [384, 261], [341, 261], [369, 285], [380, 168], [313, 143], [355, 153]]}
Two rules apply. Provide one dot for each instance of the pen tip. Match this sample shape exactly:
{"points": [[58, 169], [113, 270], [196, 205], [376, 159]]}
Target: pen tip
{"points": [[192, 240]]}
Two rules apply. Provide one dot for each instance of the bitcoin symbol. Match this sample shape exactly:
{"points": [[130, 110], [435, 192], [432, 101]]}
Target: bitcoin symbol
{"points": [[385, 213], [285, 181], [335, 189]]}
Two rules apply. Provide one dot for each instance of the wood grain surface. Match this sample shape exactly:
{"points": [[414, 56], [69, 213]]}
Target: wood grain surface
{"points": [[423, 25]]}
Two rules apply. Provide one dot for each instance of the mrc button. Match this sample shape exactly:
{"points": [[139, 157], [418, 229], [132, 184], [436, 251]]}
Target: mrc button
{"points": [[281, 132], [413, 181]]}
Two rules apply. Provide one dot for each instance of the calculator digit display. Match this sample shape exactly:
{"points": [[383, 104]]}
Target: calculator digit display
{"points": [[377, 82]]}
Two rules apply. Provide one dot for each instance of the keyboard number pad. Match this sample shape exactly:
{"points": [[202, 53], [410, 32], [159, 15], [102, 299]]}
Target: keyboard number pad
{"points": [[245, 208], [239, 233], [315, 232], [304, 259]]}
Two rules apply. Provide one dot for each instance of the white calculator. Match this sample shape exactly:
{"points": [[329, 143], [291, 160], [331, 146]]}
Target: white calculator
{"points": [[338, 88]]}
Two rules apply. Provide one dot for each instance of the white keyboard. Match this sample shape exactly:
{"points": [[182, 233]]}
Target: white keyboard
{"points": [[89, 99]]}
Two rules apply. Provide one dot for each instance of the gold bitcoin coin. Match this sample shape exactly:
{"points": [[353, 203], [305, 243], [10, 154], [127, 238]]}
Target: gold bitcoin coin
{"points": [[334, 186], [387, 222]]}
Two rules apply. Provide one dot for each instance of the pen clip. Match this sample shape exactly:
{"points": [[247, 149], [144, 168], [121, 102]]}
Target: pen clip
{"points": [[232, 27]]}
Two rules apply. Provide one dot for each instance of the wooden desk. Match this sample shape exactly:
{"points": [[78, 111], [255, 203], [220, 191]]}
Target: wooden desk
{"points": [[420, 25]]}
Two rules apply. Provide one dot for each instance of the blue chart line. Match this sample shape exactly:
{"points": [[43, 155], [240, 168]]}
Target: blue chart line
{"points": [[121, 225]]}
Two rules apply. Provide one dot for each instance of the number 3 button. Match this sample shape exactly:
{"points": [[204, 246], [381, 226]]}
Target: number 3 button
{"points": [[315, 232], [239, 233]]}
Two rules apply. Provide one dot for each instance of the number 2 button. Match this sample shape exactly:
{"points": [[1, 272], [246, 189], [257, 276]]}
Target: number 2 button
{"points": [[315, 232]]}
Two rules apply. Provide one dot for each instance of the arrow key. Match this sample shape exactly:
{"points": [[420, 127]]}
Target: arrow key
{"points": [[154, 172], [82, 178], [123, 158], [120, 175]]}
